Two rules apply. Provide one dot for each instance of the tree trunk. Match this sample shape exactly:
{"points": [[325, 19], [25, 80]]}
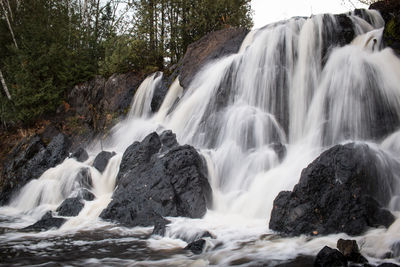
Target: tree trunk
{"points": [[3, 82], [96, 27], [151, 21], [9, 9], [9, 24]]}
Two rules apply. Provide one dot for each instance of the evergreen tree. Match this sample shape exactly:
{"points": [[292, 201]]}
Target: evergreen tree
{"points": [[48, 46]]}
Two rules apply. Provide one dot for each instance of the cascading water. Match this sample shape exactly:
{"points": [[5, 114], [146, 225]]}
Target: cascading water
{"points": [[290, 84]]}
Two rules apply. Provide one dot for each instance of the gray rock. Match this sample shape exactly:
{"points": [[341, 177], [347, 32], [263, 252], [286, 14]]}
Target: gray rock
{"points": [[197, 246], [29, 160], [344, 190], [212, 46], [330, 257], [349, 249], [151, 185], [47, 222], [70, 207], [84, 178], [101, 160], [80, 155]]}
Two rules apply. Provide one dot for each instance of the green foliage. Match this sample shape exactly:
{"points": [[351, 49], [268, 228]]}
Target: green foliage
{"points": [[124, 53], [48, 46], [54, 52], [391, 34], [169, 26]]}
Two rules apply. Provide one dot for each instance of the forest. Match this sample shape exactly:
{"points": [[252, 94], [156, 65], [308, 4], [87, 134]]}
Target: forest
{"points": [[48, 46]]}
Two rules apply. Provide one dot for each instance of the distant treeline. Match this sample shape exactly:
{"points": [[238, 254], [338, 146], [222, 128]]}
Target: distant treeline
{"points": [[47, 46]]}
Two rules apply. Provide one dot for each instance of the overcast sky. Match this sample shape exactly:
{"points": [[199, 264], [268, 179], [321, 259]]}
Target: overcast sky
{"points": [[267, 11]]}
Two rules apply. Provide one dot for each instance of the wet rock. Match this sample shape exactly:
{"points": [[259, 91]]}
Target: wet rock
{"points": [[197, 246], [330, 257], [86, 195], [168, 140], [139, 154], [343, 190], [212, 46], [70, 207], [84, 178], [151, 185], [80, 155], [47, 222], [29, 160], [364, 14], [159, 93], [160, 227], [207, 234], [349, 249], [337, 32], [101, 160]]}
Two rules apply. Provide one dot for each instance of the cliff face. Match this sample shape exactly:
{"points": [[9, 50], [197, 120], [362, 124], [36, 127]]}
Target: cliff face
{"points": [[212, 46]]}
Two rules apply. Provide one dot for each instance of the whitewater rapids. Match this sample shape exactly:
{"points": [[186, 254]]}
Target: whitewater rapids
{"points": [[282, 87]]}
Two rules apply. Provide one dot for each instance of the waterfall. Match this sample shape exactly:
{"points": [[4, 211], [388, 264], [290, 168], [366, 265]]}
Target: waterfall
{"points": [[142, 99], [291, 85]]}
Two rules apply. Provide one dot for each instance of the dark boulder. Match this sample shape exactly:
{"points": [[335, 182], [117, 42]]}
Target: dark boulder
{"points": [[343, 190], [168, 140], [336, 32], [84, 178], [197, 246], [151, 185], [86, 195], [80, 155], [29, 160], [212, 46], [101, 160], [160, 226], [47, 222], [138, 155], [70, 207], [328, 257], [160, 91], [349, 249]]}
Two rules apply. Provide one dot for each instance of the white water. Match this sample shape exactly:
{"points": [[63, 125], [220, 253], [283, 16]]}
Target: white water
{"points": [[274, 90]]}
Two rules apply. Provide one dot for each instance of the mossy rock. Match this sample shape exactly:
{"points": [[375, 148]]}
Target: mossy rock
{"points": [[391, 34]]}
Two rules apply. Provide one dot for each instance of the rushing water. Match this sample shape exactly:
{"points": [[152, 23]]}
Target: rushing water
{"points": [[288, 85]]}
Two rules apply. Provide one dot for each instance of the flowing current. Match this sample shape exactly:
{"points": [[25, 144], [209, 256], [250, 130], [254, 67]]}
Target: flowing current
{"points": [[290, 84]]}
